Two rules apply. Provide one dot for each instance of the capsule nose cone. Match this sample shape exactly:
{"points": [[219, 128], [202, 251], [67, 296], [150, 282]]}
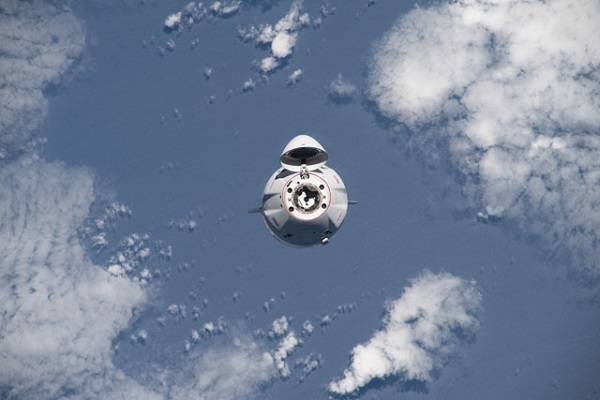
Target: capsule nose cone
{"points": [[301, 141], [303, 149]]}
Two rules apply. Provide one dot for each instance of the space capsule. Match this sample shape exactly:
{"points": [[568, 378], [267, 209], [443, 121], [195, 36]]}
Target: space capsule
{"points": [[304, 202]]}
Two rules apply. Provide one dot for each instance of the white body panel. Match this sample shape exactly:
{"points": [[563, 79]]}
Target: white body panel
{"points": [[304, 202]]}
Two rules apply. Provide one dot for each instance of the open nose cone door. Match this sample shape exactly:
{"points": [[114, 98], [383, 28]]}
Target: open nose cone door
{"points": [[303, 149]]}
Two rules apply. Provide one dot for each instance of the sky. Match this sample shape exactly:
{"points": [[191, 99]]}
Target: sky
{"points": [[136, 135]]}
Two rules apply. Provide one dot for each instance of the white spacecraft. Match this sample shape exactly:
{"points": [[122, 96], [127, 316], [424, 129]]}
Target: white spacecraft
{"points": [[304, 202]]}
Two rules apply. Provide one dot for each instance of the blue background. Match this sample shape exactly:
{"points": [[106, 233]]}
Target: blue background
{"points": [[539, 335]]}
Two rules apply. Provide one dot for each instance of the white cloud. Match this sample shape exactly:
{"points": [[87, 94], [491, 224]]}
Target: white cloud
{"points": [[248, 85], [282, 45], [39, 40], [280, 326], [172, 21], [307, 328], [421, 329], [294, 19], [510, 92], [308, 365], [269, 64], [340, 90], [195, 11], [295, 76], [226, 10], [225, 373], [286, 347], [59, 311], [281, 37]]}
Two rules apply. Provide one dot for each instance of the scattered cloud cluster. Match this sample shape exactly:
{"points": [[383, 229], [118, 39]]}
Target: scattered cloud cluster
{"points": [[226, 373], [307, 365], [279, 38], [509, 91], [279, 327], [59, 311], [421, 330], [96, 230], [39, 40], [286, 347], [189, 222], [191, 14], [196, 11], [307, 328], [287, 343], [328, 318], [137, 256]]}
